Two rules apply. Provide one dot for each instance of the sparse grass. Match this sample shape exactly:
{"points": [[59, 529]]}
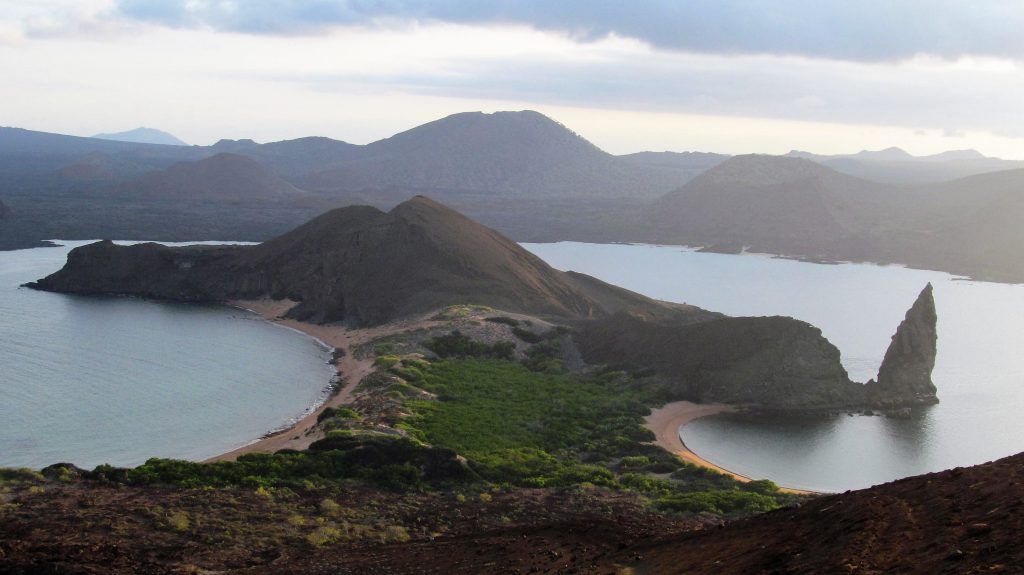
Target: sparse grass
{"points": [[178, 521], [324, 535]]}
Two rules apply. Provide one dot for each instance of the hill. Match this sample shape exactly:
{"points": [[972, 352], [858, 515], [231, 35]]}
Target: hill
{"points": [[896, 166], [685, 165], [355, 264], [776, 204], [957, 521], [799, 208], [504, 154], [143, 136], [219, 178]]}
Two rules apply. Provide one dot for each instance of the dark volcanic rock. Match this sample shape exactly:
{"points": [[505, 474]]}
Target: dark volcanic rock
{"points": [[905, 377], [774, 362], [770, 361]]}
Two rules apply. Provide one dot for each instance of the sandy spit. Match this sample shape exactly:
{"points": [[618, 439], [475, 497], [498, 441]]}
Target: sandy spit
{"points": [[351, 370]]}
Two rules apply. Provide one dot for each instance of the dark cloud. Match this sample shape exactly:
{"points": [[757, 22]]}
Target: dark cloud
{"points": [[865, 30]]}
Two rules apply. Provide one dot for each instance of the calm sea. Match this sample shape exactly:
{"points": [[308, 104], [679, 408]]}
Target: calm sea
{"points": [[93, 380], [979, 370]]}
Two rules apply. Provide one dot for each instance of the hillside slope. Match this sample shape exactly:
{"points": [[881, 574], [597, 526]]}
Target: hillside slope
{"points": [[506, 154], [219, 178], [957, 521], [355, 264], [795, 207]]}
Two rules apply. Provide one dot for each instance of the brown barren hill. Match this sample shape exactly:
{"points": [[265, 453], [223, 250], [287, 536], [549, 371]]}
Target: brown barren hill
{"points": [[356, 264], [957, 521]]}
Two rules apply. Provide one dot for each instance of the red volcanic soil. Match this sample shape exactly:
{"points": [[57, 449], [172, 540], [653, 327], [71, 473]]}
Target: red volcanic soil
{"points": [[959, 521]]}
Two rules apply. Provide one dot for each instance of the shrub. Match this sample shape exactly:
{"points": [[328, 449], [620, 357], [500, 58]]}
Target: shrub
{"points": [[386, 361], [455, 344], [19, 474], [337, 412], [762, 486], [394, 534], [503, 320], [527, 335], [724, 502], [329, 507], [402, 477], [178, 521], [324, 535]]}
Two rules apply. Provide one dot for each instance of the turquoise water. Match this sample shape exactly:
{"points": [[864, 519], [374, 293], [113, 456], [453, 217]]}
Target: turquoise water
{"points": [[93, 380], [979, 369]]}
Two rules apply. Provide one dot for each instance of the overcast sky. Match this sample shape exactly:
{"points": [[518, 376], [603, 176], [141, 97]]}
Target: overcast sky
{"points": [[709, 75]]}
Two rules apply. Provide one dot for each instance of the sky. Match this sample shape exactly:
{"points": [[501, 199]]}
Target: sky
{"points": [[707, 75]]}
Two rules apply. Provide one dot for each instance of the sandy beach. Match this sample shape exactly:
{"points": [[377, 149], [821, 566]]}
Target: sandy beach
{"points": [[351, 370], [665, 422]]}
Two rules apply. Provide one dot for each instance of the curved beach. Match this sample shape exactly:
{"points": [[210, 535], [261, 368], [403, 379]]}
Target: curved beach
{"points": [[350, 370], [665, 422]]}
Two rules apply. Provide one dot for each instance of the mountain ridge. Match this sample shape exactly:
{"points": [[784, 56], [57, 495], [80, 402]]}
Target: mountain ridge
{"points": [[143, 135]]}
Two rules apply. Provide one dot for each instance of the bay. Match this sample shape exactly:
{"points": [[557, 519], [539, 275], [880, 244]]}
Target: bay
{"points": [[92, 380], [979, 367]]}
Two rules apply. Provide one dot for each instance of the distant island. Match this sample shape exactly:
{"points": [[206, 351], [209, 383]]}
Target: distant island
{"points": [[532, 179]]}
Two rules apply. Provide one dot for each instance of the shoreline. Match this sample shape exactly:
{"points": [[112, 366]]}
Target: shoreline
{"points": [[350, 370], [666, 421], [299, 435]]}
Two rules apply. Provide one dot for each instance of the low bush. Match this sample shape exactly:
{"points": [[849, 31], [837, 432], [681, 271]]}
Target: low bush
{"points": [[503, 320], [457, 345], [527, 335]]}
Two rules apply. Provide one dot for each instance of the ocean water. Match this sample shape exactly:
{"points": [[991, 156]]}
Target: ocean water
{"points": [[979, 368], [92, 380]]}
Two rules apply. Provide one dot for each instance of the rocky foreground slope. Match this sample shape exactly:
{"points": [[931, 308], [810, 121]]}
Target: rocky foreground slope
{"points": [[362, 266], [958, 521]]}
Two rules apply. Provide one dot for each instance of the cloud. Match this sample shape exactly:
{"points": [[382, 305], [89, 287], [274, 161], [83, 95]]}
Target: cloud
{"points": [[910, 94], [865, 30]]}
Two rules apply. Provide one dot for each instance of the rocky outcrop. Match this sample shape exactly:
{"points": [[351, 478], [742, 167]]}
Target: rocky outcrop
{"points": [[905, 377], [773, 362]]}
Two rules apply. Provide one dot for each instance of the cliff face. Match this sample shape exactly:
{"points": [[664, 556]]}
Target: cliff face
{"points": [[775, 362], [770, 361], [905, 377]]}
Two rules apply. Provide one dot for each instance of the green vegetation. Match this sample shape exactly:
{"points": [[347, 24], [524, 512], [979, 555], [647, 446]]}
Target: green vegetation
{"points": [[517, 424], [523, 428], [503, 320], [455, 344], [527, 335], [385, 461]]}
